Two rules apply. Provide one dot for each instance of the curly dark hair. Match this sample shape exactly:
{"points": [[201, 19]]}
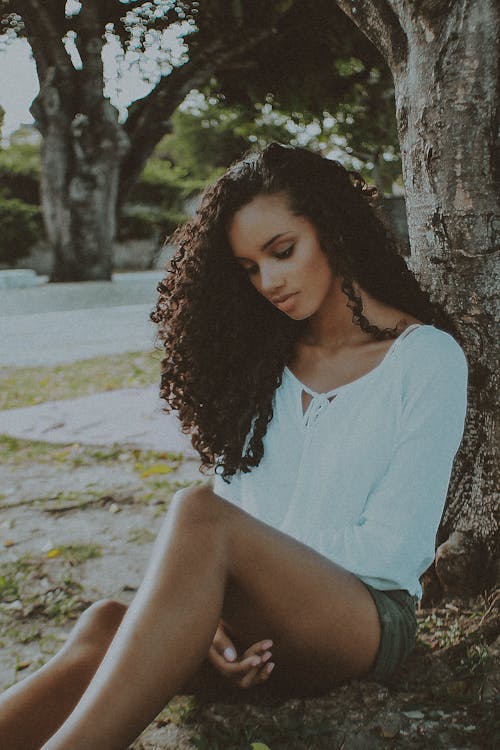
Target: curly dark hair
{"points": [[225, 344]]}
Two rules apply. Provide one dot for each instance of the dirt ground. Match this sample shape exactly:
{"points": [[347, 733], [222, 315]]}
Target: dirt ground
{"points": [[77, 524]]}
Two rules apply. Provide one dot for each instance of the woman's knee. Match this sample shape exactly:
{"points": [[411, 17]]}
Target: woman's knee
{"points": [[197, 505], [98, 624]]}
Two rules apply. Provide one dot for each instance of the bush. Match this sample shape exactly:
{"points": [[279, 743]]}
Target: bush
{"points": [[20, 227], [20, 171], [162, 184], [141, 222]]}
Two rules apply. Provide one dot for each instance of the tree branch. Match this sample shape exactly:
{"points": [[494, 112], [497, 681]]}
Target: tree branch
{"points": [[379, 22], [89, 42], [149, 117], [44, 23]]}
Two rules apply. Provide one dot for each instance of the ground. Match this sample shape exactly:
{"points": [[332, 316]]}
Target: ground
{"points": [[77, 523]]}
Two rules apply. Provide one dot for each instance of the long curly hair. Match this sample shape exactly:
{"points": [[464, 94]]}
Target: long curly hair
{"points": [[225, 344]]}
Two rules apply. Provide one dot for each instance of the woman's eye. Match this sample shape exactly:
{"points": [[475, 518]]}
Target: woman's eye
{"points": [[251, 270], [285, 253]]}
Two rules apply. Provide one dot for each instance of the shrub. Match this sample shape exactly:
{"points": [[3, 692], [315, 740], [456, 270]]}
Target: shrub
{"points": [[20, 227], [141, 222], [20, 171], [162, 184]]}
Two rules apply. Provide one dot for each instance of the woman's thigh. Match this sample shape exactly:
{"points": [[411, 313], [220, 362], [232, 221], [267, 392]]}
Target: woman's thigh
{"points": [[322, 619]]}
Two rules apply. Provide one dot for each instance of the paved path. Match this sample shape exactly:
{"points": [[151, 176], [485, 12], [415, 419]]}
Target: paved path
{"points": [[130, 416], [58, 323], [52, 338]]}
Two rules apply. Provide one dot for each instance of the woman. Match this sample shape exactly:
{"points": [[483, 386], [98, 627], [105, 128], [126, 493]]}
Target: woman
{"points": [[326, 390]]}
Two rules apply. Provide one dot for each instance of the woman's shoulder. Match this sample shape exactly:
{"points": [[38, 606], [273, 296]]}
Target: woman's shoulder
{"points": [[425, 337], [431, 353]]}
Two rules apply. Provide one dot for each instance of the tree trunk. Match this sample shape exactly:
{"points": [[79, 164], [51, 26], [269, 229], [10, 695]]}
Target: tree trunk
{"points": [[445, 62], [81, 157], [446, 111]]}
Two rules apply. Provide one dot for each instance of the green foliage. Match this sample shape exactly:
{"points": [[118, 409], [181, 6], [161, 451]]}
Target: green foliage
{"points": [[209, 135], [20, 227], [141, 222], [20, 171], [164, 185], [156, 202], [20, 218]]}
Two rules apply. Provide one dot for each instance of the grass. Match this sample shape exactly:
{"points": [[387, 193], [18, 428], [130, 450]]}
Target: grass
{"points": [[34, 385], [141, 536], [147, 463], [78, 553]]}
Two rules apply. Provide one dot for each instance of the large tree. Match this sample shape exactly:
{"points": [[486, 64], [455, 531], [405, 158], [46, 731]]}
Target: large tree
{"points": [[444, 58], [298, 50]]}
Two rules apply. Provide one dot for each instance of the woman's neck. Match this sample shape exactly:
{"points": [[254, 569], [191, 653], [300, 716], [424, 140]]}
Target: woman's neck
{"points": [[332, 326]]}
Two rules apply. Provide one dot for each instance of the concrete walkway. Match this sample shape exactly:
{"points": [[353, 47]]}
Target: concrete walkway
{"points": [[57, 323], [131, 416]]}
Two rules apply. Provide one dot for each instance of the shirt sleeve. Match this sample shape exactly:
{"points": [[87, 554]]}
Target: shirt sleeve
{"points": [[397, 529]]}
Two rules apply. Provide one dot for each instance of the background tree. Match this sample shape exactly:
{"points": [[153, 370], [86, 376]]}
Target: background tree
{"points": [[444, 58], [300, 52]]}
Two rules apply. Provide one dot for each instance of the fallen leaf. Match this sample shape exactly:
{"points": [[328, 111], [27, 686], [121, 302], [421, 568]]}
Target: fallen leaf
{"points": [[156, 469], [259, 746], [55, 552], [22, 665], [9, 543]]}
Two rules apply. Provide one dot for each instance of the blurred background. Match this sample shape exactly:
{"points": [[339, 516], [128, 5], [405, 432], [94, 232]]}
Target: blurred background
{"points": [[115, 115]]}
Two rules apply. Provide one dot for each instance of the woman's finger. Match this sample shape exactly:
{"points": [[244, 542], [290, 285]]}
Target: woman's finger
{"points": [[256, 676], [224, 645], [259, 647], [233, 670], [265, 671]]}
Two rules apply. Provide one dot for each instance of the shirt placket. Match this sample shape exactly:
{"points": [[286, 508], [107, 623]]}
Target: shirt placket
{"points": [[317, 406]]}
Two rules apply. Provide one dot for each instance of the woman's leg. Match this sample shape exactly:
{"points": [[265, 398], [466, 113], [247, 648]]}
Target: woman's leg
{"points": [[212, 557], [33, 709]]}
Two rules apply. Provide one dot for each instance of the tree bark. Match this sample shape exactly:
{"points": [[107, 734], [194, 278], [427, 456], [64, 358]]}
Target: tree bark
{"points": [[446, 75]]}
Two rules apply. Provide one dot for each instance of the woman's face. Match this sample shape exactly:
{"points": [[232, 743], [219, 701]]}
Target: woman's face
{"points": [[282, 256]]}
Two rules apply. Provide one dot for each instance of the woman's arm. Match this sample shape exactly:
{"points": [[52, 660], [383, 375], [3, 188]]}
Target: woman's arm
{"points": [[397, 529]]}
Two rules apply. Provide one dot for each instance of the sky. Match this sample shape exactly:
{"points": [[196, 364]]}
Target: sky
{"points": [[18, 84]]}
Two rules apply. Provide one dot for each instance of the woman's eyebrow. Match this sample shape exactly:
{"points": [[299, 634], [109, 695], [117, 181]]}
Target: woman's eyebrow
{"points": [[266, 244], [273, 239]]}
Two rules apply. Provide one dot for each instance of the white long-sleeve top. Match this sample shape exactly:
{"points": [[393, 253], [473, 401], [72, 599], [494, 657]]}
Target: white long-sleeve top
{"points": [[362, 475]]}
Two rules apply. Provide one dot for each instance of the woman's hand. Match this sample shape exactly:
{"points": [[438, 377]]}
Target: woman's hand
{"points": [[251, 668]]}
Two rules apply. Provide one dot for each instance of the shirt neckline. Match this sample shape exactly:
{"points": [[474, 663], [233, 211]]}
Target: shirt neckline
{"points": [[334, 391]]}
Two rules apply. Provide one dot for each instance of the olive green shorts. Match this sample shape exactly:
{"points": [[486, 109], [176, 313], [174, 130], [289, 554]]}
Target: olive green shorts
{"points": [[396, 610]]}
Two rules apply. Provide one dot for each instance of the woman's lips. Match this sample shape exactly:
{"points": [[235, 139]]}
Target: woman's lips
{"points": [[286, 302]]}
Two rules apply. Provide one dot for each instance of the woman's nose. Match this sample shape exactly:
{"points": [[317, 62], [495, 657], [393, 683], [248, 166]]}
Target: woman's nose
{"points": [[271, 279]]}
